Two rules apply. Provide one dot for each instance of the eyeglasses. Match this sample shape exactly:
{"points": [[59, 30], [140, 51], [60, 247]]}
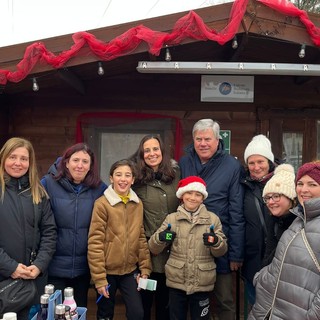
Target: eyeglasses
{"points": [[275, 197]]}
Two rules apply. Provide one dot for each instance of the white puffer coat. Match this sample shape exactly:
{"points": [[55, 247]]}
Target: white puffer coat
{"points": [[289, 287]]}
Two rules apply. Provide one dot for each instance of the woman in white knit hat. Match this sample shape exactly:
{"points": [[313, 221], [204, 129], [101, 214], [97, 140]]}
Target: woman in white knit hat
{"points": [[279, 194], [259, 160]]}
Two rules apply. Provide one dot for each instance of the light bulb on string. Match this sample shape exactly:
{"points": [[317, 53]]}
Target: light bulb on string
{"points": [[168, 54], [35, 86], [302, 52], [100, 69], [235, 43]]}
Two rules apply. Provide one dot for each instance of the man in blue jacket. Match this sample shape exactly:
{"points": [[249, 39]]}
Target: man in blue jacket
{"points": [[207, 159]]}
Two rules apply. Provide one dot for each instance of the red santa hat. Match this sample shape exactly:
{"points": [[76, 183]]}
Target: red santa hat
{"points": [[192, 183]]}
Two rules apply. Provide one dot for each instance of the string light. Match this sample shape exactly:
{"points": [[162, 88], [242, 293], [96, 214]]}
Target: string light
{"points": [[100, 69], [35, 86], [235, 43], [302, 52], [168, 54]]}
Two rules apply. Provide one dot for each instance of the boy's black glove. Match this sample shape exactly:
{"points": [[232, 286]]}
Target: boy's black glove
{"points": [[167, 235], [209, 238]]}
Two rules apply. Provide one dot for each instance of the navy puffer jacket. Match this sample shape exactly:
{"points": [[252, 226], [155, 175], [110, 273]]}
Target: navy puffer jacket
{"points": [[72, 207], [222, 174]]}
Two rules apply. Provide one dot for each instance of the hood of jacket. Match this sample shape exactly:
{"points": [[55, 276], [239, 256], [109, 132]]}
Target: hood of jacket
{"points": [[53, 169]]}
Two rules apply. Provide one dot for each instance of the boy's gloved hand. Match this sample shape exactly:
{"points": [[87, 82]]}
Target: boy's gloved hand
{"points": [[167, 235], [210, 238]]}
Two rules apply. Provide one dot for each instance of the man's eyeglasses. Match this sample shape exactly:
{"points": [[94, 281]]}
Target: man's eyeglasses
{"points": [[275, 197]]}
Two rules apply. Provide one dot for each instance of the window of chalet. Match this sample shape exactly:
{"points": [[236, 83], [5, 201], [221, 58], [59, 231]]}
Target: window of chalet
{"points": [[292, 148], [115, 136]]}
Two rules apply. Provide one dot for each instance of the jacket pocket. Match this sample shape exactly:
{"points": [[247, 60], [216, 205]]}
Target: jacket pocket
{"points": [[175, 271], [206, 273]]}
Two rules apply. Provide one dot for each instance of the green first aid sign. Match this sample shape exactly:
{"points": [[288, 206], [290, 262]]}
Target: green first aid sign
{"points": [[226, 137]]}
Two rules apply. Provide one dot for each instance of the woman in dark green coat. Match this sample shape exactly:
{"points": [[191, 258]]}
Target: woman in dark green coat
{"points": [[156, 186]]}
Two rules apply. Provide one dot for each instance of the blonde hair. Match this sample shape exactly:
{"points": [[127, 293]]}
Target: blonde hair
{"points": [[37, 190]]}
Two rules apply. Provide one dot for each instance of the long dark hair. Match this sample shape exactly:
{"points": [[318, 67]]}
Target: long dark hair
{"points": [[145, 174], [92, 179]]}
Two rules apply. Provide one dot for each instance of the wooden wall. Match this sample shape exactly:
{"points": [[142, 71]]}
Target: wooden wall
{"points": [[48, 117], [51, 130]]}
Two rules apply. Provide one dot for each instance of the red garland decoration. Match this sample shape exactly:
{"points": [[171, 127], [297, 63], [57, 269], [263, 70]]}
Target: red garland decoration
{"points": [[189, 26]]}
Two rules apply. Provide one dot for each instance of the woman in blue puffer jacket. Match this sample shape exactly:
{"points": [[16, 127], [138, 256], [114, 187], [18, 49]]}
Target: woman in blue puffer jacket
{"points": [[73, 184]]}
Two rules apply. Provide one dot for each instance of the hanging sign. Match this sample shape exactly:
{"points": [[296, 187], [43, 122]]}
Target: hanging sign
{"points": [[227, 88]]}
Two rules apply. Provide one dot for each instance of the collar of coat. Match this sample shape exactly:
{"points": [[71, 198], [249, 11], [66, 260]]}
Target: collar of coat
{"points": [[113, 198], [202, 214], [309, 210]]}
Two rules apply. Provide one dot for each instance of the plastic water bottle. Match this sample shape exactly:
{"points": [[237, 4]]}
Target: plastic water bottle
{"points": [[43, 312], [69, 301]]}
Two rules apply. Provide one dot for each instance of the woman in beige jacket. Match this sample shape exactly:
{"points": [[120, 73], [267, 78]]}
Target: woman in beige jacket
{"points": [[117, 247]]}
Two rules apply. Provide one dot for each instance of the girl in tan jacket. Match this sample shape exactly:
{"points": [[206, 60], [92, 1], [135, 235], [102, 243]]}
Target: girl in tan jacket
{"points": [[196, 238], [117, 247]]}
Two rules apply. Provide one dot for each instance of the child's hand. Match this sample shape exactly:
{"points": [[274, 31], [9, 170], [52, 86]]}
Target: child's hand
{"points": [[167, 235], [210, 238], [103, 291]]}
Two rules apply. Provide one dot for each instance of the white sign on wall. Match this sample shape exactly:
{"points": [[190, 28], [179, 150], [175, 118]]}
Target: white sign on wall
{"points": [[227, 88]]}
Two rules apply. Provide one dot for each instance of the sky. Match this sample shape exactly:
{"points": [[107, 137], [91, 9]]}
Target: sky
{"points": [[31, 20]]}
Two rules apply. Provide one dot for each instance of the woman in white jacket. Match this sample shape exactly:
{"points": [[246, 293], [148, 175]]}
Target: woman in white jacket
{"points": [[289, 287]]}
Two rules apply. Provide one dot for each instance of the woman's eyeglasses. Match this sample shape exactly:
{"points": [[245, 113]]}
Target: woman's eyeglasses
{"points": [[275, 197]]}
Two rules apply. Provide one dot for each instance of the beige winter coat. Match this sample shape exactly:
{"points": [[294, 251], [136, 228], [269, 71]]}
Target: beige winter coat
{"points": [[191, 266], [117, 244]]}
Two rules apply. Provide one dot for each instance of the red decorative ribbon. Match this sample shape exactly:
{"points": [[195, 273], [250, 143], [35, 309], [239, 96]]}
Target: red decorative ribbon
{"points": [[189, 26]]}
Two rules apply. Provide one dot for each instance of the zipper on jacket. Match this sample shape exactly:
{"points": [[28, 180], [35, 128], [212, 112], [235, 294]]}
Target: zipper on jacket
{"points": [[75, 235]]}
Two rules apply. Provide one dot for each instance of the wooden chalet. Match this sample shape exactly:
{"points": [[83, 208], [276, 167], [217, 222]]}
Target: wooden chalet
{"points": [[114, 110]]}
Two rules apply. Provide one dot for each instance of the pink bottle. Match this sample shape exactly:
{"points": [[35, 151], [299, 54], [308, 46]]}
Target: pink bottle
{"points": [[69, 301]]}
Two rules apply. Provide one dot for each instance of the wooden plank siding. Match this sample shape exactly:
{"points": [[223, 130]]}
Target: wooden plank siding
{"points": [[52, 130]]}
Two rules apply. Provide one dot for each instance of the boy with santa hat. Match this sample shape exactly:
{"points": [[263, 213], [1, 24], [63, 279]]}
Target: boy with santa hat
{"points": [[194, 237]]}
